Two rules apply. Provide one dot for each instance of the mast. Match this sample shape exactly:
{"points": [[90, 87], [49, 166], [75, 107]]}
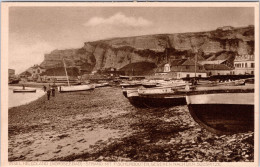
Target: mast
{"points": [[195, 64], [66, 72]]}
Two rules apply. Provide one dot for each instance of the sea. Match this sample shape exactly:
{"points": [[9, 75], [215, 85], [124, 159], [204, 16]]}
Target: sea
{"points": [[17, 99]]}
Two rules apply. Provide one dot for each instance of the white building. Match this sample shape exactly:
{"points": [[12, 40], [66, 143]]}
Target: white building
{"points": [[244, 64]]}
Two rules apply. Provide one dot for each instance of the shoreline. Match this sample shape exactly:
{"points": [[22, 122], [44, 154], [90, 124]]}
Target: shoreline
{"points": [[101, 125]]}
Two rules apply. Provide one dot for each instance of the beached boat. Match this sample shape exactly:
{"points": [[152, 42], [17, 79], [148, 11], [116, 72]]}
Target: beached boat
{"points": [[156, 91], [134, 99], [162, 97], [149, 84], [130, 84], [24, 90], [74, 88], [163, 100], [126, 89], [223, 110], [101, 85]]}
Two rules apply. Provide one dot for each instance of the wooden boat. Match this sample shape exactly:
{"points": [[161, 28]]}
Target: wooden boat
{"points": [[126, 89], [134, 99], [223, 110], [162, 97], [130, 84], [149, 84], [163, 100], [24, 91], [156, 91], [75, 88], [101, 85]]}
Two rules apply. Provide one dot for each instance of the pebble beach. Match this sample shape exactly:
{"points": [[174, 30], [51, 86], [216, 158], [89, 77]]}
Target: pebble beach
{"points": [[101, 125]]}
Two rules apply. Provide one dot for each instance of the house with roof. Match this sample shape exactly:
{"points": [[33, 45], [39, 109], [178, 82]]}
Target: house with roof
{"points": [[218, 69], [244, 65], [36, 71], [182, 68]]}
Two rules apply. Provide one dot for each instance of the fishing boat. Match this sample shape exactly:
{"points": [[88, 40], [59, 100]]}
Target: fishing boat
{"points": [[134, 98], [24, 91], [156, 91], [162, 97], [130, 84], [74, 88], [126, 89], [149, 84], [101, 85], [223, 110]]}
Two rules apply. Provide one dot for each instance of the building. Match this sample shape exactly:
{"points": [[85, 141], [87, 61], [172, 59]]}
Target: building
{"points": [[218, 69], [224, 62], [244, 65], [182, 68], [36, 70], [191, 74]]}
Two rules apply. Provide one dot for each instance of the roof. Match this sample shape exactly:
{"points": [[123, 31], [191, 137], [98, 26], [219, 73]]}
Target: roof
{"points": [[177, 62], [190, 62], [211, 62], [216, 67]]}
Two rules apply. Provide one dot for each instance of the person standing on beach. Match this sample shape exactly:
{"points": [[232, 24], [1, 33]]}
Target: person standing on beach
{"points": [[53, 92], [44, 88], [48, 94]]}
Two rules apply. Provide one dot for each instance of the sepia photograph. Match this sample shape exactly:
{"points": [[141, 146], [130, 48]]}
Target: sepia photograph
{"points": [[130, 82]]}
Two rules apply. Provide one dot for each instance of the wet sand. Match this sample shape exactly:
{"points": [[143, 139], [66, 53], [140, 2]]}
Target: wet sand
{"points": [[101, 125]]}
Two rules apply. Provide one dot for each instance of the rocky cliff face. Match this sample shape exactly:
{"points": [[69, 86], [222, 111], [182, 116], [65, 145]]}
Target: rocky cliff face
{"points": [[120, 52]]}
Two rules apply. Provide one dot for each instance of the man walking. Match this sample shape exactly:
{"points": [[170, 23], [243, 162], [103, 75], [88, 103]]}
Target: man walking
{"points": [[48, 94]]}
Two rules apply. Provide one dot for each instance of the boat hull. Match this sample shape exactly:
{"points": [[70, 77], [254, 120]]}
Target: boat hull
{"points": [[225, 113], [162, 101], [76, 88], [24, 91]]}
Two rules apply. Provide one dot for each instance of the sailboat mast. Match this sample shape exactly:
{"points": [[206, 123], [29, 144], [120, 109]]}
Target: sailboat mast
{"points": [[195, 64], [66, 72]]}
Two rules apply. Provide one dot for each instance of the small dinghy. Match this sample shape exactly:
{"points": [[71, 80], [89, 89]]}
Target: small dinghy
{"points": [[24, 90]]}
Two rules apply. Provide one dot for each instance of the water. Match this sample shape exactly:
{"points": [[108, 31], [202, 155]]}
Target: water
{"points": [[17, 99]]}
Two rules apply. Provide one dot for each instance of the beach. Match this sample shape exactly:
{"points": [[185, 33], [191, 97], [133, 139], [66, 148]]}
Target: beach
{"points": [[101, 125]]}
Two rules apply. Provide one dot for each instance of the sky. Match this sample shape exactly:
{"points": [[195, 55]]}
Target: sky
{"points": [[35, 31]]}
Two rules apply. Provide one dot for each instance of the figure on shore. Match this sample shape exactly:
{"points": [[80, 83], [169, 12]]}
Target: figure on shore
{"points": [[44, 88], [48, 94], [23, 87], [53, 92]]}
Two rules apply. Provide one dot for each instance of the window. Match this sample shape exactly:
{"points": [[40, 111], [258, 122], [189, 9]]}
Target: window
{"points": [[245, 65], [252, 72], [242, 64], [253, 65], [187, 67], [38, 71], [200, 68]]}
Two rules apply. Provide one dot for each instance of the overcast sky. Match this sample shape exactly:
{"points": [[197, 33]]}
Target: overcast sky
{"points": [[34, 31]]}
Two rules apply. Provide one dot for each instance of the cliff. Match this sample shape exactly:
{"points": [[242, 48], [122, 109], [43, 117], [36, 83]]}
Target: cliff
{"points": [[154, 50]]}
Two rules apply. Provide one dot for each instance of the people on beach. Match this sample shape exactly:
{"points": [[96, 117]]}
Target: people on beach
{"points": [[44, 88], [23, 87], [53, 92], [48, 94]]}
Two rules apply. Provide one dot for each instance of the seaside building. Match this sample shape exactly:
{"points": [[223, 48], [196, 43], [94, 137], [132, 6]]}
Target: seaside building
{"points": [[218, 69], [244, 65]]}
